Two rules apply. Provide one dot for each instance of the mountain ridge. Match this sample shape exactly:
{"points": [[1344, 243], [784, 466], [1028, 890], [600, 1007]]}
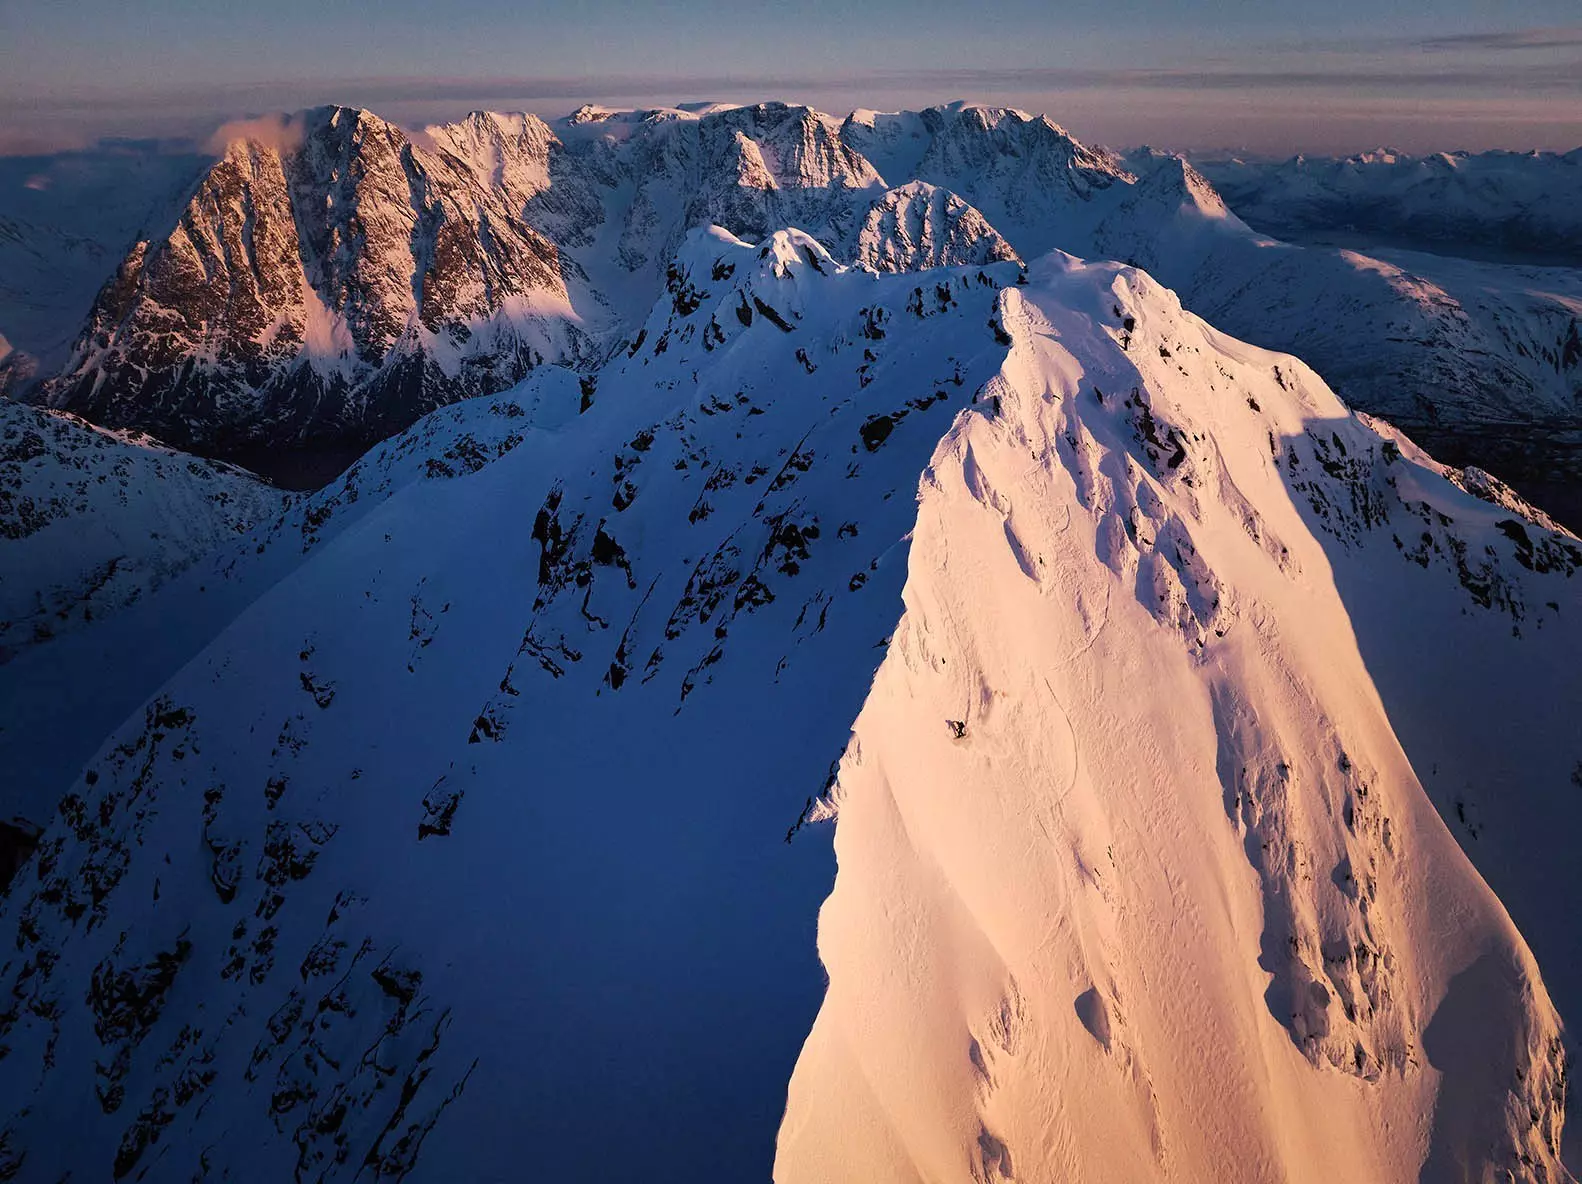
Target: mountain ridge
{"points": [[481, 786], [590, 207]]}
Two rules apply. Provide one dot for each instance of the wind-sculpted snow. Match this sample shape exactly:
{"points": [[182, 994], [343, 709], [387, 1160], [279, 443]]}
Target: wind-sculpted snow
{"points": [[1135, 877], [1472, 645]]}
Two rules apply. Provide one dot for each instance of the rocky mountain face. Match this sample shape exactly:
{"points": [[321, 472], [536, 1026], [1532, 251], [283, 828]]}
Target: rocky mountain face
{"points": [[328, 287], [1195, 719]]}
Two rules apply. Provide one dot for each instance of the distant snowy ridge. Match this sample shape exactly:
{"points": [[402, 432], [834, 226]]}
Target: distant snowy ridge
{"points": [[91, 520], [1486, 364], [327, 286], [1525, 203]]}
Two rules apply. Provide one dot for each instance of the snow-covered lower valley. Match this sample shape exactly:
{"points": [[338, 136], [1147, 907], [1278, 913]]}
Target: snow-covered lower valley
{"points": [[890, 701]]}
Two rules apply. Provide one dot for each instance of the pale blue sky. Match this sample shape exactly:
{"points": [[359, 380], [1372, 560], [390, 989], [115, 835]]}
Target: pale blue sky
{"points": [[1343, 74]]}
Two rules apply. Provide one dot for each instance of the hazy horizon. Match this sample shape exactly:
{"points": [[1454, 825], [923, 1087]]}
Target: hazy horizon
{"points": [[1224, 126], [1232, 76]]}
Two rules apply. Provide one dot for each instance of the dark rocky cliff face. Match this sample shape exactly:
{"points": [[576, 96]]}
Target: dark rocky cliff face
{"points": [[324, 293]]}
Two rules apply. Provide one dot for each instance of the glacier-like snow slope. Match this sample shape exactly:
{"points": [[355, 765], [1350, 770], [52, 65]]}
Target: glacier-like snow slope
{"points": [[1136, 881], [456, 847], [91, 522]]}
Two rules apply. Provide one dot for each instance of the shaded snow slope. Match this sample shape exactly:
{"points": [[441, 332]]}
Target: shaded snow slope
{"points": [[64, 698], [476, 814], [1136, 881], [92, 520]]}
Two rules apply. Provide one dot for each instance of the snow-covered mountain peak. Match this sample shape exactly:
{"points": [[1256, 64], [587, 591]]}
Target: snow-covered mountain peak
{"points": [[797, 142], [344, 132], [1513, 205], [593, 113], [894, 141], [505, 151], [1122, 730], [729, 510], [784, 250], [1132, 862], [612, 123], [1172, 220], [1170, 177], [1200, 752], [974, 129], [616, 119], [918, 226]]}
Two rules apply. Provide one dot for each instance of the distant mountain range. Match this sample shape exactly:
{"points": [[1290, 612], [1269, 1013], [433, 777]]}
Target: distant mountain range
{"points": [[1518, 206], [332, 280]]}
